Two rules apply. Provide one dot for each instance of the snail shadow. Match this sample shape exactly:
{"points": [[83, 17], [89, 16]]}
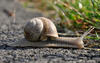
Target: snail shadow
{"points": [[24, 44], [6, 47]]}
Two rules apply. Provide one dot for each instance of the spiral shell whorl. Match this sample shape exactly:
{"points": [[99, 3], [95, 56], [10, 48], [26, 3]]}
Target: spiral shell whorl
{"points": [[33, 29]]}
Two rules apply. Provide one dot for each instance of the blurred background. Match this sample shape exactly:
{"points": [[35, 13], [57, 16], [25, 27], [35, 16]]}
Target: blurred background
{"points": [[77, 14], [74, 15]]}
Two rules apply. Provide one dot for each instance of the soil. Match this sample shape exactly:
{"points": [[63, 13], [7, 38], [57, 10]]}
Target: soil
{"points": [[11, 31]]}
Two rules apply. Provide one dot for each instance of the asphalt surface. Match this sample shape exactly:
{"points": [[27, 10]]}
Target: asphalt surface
{"points": [[11, 31]]}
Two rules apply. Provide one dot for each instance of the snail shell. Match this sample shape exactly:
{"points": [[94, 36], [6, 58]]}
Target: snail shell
{"points": [[38, 29]]}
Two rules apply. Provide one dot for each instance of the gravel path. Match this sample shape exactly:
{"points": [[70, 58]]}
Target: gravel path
{"points": [[12, 32]]}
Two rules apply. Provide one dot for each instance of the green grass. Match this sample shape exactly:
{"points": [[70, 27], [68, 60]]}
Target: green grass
{"points": [[78, 14]]}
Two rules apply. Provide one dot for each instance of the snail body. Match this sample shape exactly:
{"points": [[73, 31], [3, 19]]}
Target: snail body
{"points": [[39, 29]]}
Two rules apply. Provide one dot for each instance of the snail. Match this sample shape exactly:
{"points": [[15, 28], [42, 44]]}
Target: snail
{"points": [[41, 32]]}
